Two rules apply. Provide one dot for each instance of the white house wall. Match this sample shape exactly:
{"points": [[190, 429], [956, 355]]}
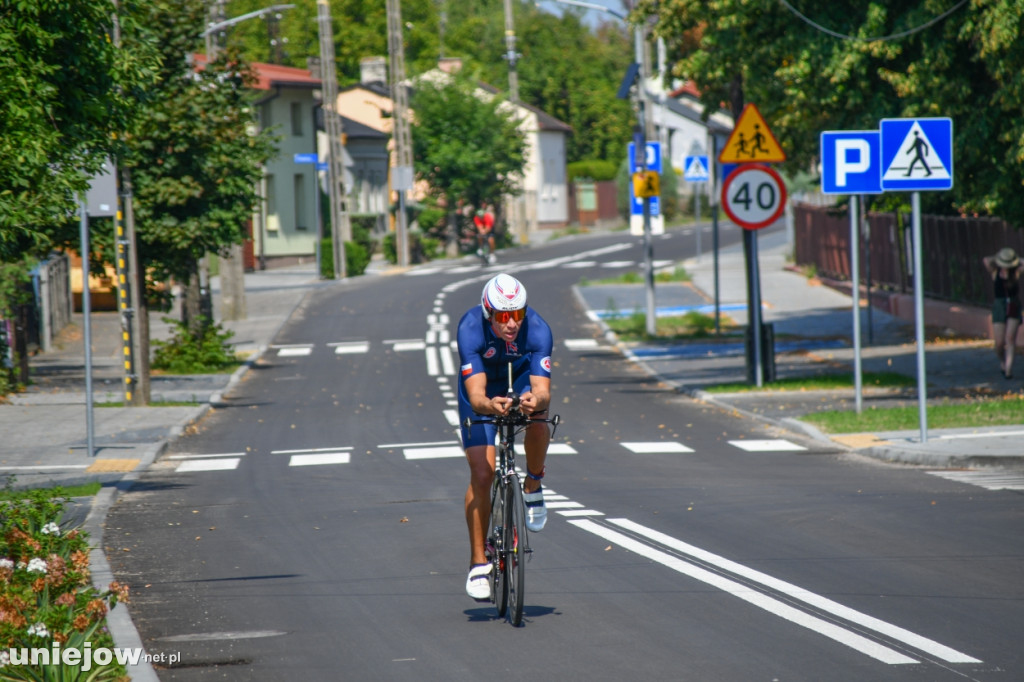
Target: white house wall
{"points": [[552, 195]]}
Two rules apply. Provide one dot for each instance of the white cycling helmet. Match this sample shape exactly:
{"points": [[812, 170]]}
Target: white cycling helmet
{"points": [[502, 292]]}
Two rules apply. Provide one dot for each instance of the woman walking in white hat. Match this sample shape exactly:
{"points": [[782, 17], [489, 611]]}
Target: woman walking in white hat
{"points": [[1005, 268]]}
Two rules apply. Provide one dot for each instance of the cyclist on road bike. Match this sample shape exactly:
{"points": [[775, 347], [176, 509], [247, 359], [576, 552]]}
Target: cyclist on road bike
{"points": [[500, 331], [483, 221]]}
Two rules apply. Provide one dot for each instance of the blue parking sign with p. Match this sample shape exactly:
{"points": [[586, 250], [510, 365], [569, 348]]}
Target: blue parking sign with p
{"points": [[851, 162]]}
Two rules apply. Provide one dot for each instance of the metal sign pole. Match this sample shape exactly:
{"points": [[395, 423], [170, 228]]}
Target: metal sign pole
{"points": [[90, 428], [755, 309], [922, 384], [855, 281]]}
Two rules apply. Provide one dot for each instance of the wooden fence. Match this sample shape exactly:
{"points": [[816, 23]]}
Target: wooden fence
{"points": [[951, 256]]}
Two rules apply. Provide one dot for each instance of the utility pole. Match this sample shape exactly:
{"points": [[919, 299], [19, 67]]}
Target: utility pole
{"points": [[512, 57], [402, 171], [341, 227]]}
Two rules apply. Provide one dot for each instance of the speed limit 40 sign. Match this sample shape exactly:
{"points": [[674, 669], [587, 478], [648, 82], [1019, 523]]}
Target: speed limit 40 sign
{"points": [[753, 196]]}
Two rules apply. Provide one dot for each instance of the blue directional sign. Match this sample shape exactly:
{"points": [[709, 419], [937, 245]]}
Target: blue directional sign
{"points": [[851, 162], [695, 169], [653, 159], [917, 154], [305, 158]]}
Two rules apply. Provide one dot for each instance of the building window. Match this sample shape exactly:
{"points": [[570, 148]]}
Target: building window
{"points": [[301, 221], [297, 119]]}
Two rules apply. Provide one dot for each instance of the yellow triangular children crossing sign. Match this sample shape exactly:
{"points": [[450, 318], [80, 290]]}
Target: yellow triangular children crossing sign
{"points": [[752, 141]]}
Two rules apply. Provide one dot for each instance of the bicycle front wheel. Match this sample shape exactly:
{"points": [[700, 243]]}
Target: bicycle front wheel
{"points": [[515, 545]]}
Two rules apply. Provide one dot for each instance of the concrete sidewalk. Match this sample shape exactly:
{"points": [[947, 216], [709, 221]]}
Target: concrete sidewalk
{"points": [[45, 427], [813, 327]]}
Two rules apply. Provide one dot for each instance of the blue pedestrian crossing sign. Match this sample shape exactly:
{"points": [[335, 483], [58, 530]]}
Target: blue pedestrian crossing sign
{"points": [[696, 169], [851, 162], [917, 154]]}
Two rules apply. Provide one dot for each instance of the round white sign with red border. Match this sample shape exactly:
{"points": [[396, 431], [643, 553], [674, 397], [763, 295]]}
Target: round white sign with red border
{"points": [[754, 196]]}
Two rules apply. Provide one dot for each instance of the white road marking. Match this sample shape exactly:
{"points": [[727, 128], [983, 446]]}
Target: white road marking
{"points": [[294, 352], [316, 460], [618, 264], [447, 364], [433, 453], [569, 504], [346, 347], [581, 264], [582, 344], [774, 445], [222, 464], [452, 416], [553, 449], [822, 603], [656, 447], [210, 456], [310, 450], [580, 512], [417, 445], [996, 479], [400, 346], [761, 600], [433, 368], [424, 271]]}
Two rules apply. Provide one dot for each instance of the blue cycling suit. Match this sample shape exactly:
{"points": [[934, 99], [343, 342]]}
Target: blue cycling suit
{"points": [[481, 351]]}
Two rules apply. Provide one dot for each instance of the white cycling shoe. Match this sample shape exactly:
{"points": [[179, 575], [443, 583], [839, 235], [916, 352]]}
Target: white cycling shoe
{"points": [[536, 512], [478, 583]]}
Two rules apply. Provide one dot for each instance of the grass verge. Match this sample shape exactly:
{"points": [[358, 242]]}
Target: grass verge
{"points": [[826, 382], [84, 490], [994, 412], [692, 325]]}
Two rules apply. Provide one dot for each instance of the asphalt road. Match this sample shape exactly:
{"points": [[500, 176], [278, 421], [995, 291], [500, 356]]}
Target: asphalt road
{"points": [[313, 528]]}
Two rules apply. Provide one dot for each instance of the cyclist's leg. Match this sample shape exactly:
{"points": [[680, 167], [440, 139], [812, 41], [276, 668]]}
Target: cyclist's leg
{"points": [[478, 498], [478, 442], [535, 442]]}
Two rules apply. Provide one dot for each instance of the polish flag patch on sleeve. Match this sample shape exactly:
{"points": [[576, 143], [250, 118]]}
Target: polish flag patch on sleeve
{"points": [[467, 370]]}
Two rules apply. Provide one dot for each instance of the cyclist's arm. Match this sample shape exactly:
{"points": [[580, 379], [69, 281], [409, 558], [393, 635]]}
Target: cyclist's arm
{"points": [[539, 397], [476, 391]]}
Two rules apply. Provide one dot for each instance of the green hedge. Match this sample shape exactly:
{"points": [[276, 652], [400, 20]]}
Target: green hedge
{"points": [[594, 169]]}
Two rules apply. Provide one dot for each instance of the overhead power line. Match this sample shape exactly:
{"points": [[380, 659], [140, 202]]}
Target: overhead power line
{"points": [[893, 36]]}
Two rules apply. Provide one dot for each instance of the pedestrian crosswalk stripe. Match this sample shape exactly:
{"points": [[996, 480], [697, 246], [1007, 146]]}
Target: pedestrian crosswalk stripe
{"points": [[656, 447], [774, 445], [346, 347], [221, 464], [568, 504], [317, 459], [433, 453], [998, 479]]}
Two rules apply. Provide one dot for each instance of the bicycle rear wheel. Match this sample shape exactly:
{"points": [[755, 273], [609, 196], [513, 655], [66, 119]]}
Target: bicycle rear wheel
{"points": [[515, 549], [496, 538]]}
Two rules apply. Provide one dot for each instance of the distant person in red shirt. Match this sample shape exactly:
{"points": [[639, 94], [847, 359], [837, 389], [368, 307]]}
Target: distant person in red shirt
{"points": [[484, 223]]}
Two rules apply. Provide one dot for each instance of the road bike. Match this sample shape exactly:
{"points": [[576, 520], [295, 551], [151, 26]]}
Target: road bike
{"points": [[507, 542]]}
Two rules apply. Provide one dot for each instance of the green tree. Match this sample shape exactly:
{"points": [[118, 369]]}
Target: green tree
{"points": [[466, 144], [861, 62], [567, 70], [195, 156], [69, 92]]}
